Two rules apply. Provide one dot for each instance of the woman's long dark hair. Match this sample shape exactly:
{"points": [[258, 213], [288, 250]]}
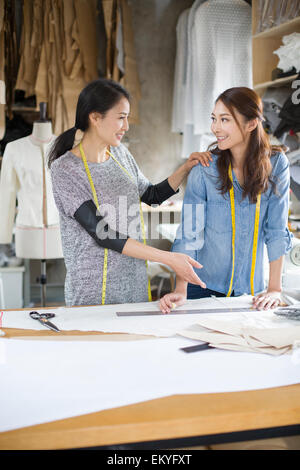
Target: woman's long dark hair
{"points": [[258, 167], [98, 96]]}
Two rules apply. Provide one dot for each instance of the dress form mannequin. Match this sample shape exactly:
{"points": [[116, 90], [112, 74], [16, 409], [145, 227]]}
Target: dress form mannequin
{"points": [[40, 242]]}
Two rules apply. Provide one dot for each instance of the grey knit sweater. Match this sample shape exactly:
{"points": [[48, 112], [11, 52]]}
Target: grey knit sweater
{"points": [[118, 197]]}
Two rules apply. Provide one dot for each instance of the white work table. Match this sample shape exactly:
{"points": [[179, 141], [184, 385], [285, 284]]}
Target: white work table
{"points": [[133, 389]]}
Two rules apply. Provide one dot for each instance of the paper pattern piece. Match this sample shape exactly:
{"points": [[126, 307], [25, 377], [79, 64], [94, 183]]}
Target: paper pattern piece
{"points": [[261, 332], [43, 381]]}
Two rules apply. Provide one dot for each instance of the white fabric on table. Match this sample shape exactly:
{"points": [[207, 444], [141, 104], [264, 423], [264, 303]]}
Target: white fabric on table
{"points": [[104, 318], [43, 381]]}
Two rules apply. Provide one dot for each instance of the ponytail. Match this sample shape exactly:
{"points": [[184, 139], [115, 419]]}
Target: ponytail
{"points": [[61, 144]]}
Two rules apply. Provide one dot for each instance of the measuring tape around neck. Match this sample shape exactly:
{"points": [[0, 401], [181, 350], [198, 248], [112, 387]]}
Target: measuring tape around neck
{"points": [[255, 235], [98, 208]]}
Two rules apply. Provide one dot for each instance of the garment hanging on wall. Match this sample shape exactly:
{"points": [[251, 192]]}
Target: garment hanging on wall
{"points": [[60, 53], [119, 62], [218, 57], [130, 78], [30, 46], [10, 53], [22, 178], [86, 13], [101, 40], [179, 90], [8, 61], [182, 96], [222, 38], [51, 64], [109, 14]]}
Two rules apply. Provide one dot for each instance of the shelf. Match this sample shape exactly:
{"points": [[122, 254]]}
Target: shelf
{"points": [[280, 30], [23, 109], [275, 83], [12, 269]]}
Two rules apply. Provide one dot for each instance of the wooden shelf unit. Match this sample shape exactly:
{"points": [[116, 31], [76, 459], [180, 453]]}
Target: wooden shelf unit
{"points": [[263, 46], [280, 30], [275, 83]]}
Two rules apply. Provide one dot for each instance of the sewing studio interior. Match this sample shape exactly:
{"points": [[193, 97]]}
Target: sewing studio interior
{"points": [[149, 227]]}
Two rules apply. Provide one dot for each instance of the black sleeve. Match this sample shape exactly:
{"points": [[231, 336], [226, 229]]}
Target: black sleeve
{"points": [[158, 193], [86, 215]]}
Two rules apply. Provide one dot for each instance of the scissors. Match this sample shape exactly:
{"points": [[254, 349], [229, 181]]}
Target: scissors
{"points": [[43, 319]]}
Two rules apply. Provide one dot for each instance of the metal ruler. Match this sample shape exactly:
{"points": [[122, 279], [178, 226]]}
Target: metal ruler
{"points": [[186, 312]]}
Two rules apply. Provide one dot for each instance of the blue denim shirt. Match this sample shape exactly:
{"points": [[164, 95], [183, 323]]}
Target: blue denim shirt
{"points": [[205, 232]]}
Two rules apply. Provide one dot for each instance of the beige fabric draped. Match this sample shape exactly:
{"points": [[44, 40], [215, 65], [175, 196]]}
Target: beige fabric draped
{"points": [[59, 53], [130, 79]]}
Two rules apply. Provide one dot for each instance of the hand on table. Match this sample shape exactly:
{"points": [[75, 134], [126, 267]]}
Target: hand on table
{"points": [[267, 300], [170, 301]]}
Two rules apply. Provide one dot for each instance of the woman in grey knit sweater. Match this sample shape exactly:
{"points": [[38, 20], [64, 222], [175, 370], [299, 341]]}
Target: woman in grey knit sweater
{"points": [[98, 187]]}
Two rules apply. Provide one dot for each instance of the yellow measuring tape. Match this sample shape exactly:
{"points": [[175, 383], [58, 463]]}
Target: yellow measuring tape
{"points": [[255, 235], [98, 207]]}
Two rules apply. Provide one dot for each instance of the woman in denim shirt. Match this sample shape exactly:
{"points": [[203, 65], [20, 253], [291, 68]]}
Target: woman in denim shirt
{"points": [[206, 231]]}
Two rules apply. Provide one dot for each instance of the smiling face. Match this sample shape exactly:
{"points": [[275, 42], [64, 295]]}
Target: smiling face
{"points": [[231, 133], [111, 127]]}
